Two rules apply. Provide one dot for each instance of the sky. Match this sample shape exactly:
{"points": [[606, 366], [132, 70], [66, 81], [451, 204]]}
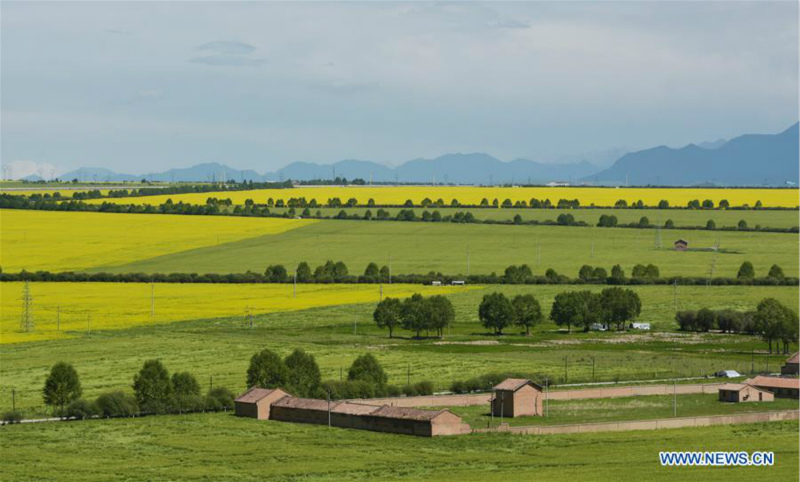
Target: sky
{"points": [[140, 87]]}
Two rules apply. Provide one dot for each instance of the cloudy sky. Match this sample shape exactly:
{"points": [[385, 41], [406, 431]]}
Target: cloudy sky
{"points": [[144, 86]]}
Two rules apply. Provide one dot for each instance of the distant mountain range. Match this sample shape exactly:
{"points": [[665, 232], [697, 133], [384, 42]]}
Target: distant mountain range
{"points": [[748, 160]]}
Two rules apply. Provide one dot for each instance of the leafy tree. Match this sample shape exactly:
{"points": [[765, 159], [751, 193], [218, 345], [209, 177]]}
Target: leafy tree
{"points": [[599, 274], [518, 274], [385, 271], [496, 312], [724, 204], [639, 271], [771, 319], [585, 272], [746, 271], [266, 370], [276, 273], [303, 373], [372, 270], [708, 204], [788, 331], [527, 311], [413, 314], [776, 272], [687, 320], [669, 224], [339, 269], [729, 321], [651, 271], [742, 224], [619, 306], [644, 222], [153, 387], [185, 384], [711, 224], [706, 319], [366, 368], [617, 274], [439, 312], [62, 386], [388, 314], [663, 204], [303, 272], [579, 308]]}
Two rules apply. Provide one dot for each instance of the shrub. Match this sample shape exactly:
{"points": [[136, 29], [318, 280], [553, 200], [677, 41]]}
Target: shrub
{"points": [[81, 409], [366, 368], [219, 398], [116, 404], [12, 417]]}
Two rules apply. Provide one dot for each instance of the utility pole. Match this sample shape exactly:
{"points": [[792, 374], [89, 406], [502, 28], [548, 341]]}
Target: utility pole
{"points": [[565, 370], [674, 398], [753, 361], [593, 377], [13, 400], [26, 321], [381, 292], [546, 399], [675, 293]]}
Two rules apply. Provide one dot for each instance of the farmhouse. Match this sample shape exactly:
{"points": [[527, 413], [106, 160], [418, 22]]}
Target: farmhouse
{"points": [[739, 392], [517, 397], [782, 387], [345, 414], [256, 402], [791, 365], [681, 245]]}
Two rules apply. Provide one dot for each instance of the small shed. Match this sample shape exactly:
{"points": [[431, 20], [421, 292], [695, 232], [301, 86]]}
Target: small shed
{"points": [[791, 366], [517, 397], [640, 326], [782, 387], [740, 392], [256, 402], [681, 245]]}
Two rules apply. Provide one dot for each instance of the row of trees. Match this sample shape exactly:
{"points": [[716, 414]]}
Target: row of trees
{"points": [[771, 320], [155, 392], [417, 314], [299, 375]]}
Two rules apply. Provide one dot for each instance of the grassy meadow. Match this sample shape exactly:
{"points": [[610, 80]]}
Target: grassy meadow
{"points": [[224, 447], [397, 195], [443, 247], [337, 334]]}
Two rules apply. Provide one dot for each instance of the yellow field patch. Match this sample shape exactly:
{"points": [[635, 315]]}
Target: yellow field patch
{"points": [[473, 195], [71, 241], [62, 310]]}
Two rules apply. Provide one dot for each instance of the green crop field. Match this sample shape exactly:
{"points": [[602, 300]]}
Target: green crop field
{"points": [[224, 447], [681, 217], [336, 335], [424, 247]]}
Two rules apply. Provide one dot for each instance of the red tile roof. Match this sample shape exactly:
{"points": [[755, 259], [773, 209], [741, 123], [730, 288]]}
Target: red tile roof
{"points": [[255, 394], [305, 403], [794, 358], [387, 411], [514, 384], [774, 382]]}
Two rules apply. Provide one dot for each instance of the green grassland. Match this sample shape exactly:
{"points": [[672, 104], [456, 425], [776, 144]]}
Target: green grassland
{"points": [[221, 348], [224, 447], [423, 247], [681, 217], [560, 412]]}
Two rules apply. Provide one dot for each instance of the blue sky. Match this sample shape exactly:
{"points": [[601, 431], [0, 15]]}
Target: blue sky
{"points": [[144, 86]]}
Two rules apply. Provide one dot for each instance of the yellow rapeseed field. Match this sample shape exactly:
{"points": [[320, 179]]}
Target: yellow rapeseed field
{"points": [[71, 241], [62, 310], [473, 195]]}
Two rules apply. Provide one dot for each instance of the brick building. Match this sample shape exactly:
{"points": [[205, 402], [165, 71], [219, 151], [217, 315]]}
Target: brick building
{"points": [[256, 402], [739, 392], [782, 387], [792, 365], [517, 397]]}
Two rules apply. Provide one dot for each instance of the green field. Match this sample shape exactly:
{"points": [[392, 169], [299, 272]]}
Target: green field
{"points": [[224, 447], [221, 348], [561, 412], [424, 247], [681, 217]]}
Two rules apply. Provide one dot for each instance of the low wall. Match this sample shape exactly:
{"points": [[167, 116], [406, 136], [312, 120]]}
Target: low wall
{"points": [[579, 394], [624, 426]]}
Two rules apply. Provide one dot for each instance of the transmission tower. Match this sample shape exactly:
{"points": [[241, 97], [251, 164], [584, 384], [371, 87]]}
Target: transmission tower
{"points": [[26, 321]]}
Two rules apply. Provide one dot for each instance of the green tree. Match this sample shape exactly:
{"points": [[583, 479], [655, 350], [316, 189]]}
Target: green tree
{"points": [[276, 273], [413, 314], [439, 312], [617, 274], [619, 306], [388, 314], [706, 319], [367, 369], [776, 272], [152, 387], [771, 318], [527, 311], [303, 272], [185, 384], [266, 370], [742, 224], [62, 386], [711, 224], [585, 272], [303, 377], [496, 312], [746, 271], [372, 270], [578, 308]]}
